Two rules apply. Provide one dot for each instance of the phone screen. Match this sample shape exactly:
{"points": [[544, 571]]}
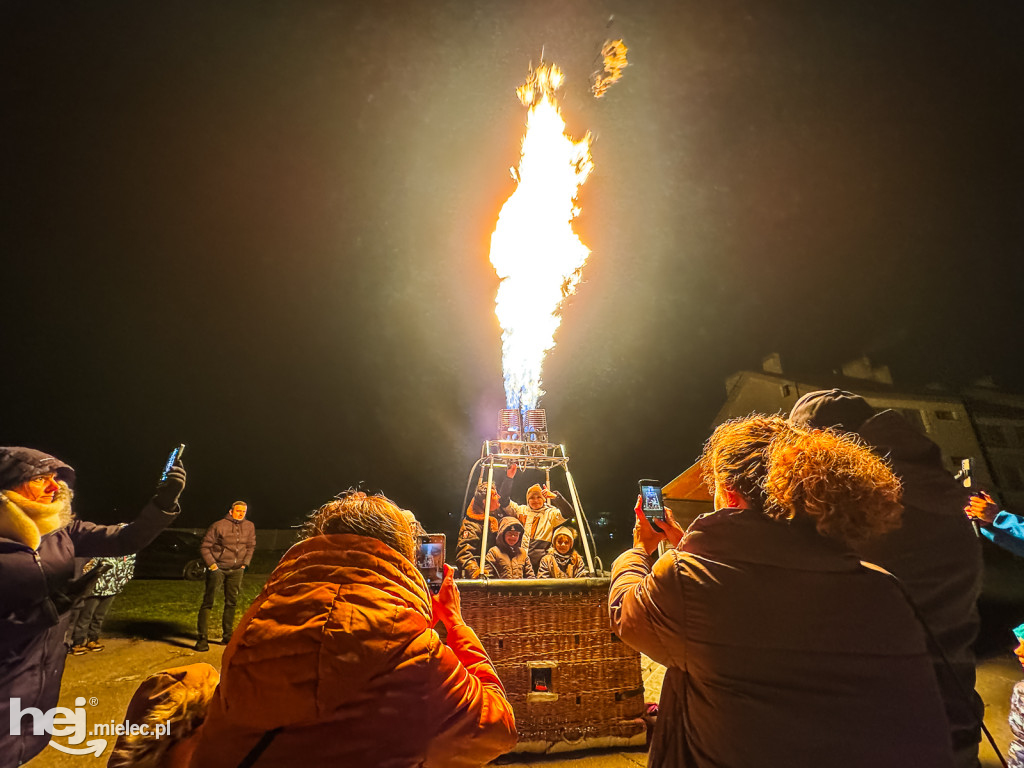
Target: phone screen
{"points": [[171, 459], [430, 559], [650, 500]]}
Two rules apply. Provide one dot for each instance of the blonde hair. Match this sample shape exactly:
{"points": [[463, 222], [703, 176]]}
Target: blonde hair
{"points": [[183, 713], [357, 513], [792, 473]]}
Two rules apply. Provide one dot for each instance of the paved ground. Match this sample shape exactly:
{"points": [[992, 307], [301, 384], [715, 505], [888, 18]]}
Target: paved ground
{"points": [[111, 676]]}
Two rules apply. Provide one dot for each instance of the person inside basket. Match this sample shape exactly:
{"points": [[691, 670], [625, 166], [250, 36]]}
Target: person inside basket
{"points": [[562, 560], [176, 700], [471, 533], [540, 515], [782, 647], [336, 662], [508, 558]]}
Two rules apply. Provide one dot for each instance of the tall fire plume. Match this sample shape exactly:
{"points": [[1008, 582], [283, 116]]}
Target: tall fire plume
{"points": [[534, 249]]}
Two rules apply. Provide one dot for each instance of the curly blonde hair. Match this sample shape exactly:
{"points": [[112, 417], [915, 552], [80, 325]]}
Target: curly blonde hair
{"points": [[792, 473]]}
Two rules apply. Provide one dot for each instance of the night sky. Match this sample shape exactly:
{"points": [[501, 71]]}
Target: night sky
{"points": [[262, 229]]}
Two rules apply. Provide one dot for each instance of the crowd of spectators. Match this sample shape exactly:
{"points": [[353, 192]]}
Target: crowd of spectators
{"points": [[823, 614]]}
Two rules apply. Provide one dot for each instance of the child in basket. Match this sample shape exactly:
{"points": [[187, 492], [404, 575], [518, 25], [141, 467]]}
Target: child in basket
{"points": [[562, 561], [508, 559]]}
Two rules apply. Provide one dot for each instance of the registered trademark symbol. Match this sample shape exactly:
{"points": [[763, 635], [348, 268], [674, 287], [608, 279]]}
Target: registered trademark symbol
{"points": [[93, 701]]}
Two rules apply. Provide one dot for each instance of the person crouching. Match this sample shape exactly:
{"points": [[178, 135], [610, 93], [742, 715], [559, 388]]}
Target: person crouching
{"points": [[508, 559], [175, 700], [562, 560]]}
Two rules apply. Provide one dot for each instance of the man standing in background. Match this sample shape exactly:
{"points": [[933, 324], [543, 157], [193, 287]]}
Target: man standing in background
{"points": [[227, 550]]}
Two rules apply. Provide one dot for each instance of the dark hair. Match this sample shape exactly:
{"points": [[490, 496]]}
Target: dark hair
{"points": [[791, 473], [362, 515], [480, 494]]}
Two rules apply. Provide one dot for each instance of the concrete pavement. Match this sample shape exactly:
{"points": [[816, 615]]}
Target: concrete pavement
{"points": [[111, 676]]}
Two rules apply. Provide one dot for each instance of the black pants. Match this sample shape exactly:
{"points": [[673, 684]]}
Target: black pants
{"points": [[232, 582], [90, 618]]}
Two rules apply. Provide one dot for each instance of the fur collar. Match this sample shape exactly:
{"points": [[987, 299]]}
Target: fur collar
{"points": [[28, 521]]}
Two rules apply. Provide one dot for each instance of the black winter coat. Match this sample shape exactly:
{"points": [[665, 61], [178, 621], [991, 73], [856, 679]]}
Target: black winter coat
{"points": [[937, 556], [32, 652]]}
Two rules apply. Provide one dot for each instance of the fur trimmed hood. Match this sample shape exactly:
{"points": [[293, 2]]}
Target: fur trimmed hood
{"points": [[28, 521]]}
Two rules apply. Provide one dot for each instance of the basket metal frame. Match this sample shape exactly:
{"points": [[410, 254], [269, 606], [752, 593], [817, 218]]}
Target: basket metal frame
{"points": [[528, 454]]}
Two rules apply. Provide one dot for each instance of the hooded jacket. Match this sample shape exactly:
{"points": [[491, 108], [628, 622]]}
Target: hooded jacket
{"points": [[558, 566], [32, 629], [505, 562], [934, 553], [781, 648], [229, 543], [337, 655]]}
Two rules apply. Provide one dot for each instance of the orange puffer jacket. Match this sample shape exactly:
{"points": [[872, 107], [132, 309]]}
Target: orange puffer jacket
{"points": [[338, 653]]}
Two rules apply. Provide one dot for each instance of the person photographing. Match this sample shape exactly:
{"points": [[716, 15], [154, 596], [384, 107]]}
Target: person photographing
{"points": [[40, 537]]}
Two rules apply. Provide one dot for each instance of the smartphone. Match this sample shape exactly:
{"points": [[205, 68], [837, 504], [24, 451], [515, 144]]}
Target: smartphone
{"points": [[430, 559], [171, 459], [651, 503]]}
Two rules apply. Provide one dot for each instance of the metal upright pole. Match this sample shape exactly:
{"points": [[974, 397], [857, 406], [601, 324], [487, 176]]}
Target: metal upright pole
{"points": [[487, 515], [579, 514]]}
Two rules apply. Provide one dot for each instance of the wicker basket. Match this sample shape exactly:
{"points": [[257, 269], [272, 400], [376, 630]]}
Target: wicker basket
{"points": [[572, 683]]}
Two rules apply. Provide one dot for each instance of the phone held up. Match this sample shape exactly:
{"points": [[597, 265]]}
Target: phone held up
{"points": [[175, 454], [430, 556], [651, 502]]}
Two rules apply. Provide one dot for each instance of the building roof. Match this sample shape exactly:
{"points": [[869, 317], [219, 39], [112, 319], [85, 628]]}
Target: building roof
{"points": [[688, 486]]}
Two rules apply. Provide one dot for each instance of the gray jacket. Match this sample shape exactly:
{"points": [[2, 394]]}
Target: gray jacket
{"points": [[229, 543]]}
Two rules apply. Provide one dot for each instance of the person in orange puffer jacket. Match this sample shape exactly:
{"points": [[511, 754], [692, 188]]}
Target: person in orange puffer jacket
{"points": [[336, 662]]}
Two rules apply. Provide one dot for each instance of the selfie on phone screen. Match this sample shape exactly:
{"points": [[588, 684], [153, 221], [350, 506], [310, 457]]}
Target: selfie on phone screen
{"points": [[430, 559]]}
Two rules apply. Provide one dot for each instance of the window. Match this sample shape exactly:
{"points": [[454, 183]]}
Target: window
{"points": [[913, 416], [947, 415], [540, 679], [992, 435], [1011, 477], [786, 390]]}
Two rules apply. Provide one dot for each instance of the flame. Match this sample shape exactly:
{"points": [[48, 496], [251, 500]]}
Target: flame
{"points": [[534, 249], [613, 53]]}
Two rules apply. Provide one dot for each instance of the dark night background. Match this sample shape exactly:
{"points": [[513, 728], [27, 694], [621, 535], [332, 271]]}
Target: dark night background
{"points": [[262, 229]]}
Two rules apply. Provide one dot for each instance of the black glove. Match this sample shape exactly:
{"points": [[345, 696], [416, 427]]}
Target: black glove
{"points": [[63, 599], [170, 488]]}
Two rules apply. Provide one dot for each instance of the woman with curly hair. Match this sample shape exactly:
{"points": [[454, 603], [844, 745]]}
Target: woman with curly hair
{"points": [[782, 648]]}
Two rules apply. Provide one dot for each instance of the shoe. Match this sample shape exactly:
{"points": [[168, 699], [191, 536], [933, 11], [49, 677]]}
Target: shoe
{"points": [[94, 645], [201, 645], [78, 650], [225, 640]]}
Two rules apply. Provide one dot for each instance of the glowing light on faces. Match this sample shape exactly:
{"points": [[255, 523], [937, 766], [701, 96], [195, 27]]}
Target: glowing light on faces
{"points": [[534, 249]]}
